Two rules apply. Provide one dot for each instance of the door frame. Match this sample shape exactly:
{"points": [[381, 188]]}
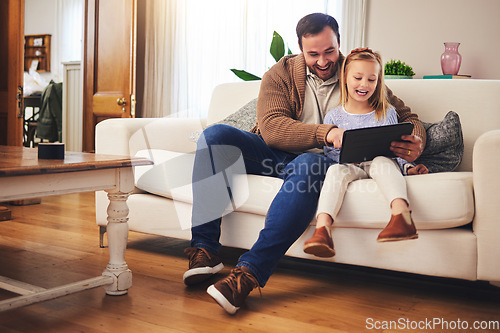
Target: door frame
{"points": [[88, 76], [15, 63]]}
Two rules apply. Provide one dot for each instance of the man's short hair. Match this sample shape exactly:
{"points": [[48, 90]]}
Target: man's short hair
{"points": [[313, 24]]}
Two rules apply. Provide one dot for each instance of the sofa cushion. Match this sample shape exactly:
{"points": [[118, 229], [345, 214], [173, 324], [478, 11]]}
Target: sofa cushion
{"points": [[445, 147], [244, 119], [170, 176], [439, 201]]}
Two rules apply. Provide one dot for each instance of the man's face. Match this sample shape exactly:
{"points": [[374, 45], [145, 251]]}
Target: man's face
{"points": [[321, 52]]}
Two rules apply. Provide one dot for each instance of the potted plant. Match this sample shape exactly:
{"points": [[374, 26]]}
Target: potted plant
{"points": [[395, 69], [277, 50]]}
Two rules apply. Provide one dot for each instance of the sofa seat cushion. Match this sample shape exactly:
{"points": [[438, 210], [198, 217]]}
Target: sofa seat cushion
{"points": [[170, 176], [438, 201]]}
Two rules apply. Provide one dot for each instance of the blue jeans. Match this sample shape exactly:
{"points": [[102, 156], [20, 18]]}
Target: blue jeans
{"points": [[220, 152]]}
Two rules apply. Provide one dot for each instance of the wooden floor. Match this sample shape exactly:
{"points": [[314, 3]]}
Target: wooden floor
{"points": [[56, 242]]}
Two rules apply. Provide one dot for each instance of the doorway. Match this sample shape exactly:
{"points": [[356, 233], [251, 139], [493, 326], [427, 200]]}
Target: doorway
{"points": [[60, 22]]}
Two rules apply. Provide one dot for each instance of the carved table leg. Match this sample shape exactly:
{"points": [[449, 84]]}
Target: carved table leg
{"points": [[117, 231]]}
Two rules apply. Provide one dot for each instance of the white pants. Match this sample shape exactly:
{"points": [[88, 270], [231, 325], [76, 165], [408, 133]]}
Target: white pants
{"points": [[383, 170]]}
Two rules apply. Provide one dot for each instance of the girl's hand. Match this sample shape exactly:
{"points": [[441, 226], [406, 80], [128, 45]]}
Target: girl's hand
{"points": [[419, 169], [335, 136]]}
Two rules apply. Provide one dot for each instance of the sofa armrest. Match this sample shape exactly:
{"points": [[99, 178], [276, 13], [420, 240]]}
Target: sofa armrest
{"points": [[126, 136], [486, 176]]}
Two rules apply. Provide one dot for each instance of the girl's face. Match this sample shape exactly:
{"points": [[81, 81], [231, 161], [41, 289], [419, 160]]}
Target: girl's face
{"points": [[361, 79]]}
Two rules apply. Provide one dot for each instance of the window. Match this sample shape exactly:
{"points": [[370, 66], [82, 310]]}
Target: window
{"points": [[191, 45]]}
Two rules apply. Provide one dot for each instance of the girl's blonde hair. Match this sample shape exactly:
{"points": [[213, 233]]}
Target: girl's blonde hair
{"points": [[378, 101]]}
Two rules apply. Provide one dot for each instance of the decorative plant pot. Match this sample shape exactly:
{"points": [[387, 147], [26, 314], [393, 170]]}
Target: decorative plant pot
{"points": [[451, 59]]}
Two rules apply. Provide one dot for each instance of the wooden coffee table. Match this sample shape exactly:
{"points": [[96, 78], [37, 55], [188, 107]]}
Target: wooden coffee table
{"points": [[24, 176]]}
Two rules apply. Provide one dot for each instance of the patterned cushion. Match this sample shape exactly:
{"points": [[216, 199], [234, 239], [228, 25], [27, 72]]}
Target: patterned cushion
{"points": [[445, 148], [243, 119]]}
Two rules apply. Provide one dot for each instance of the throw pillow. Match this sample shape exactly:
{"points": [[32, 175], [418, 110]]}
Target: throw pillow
{"points": [[444, 148], [243, 119]]}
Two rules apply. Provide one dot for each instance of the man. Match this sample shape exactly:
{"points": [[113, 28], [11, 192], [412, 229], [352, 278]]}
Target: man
{"points": [[286, 142]]}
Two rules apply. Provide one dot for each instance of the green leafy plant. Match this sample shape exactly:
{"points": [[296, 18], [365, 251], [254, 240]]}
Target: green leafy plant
{"points": [[396, 67], [277, 50]]}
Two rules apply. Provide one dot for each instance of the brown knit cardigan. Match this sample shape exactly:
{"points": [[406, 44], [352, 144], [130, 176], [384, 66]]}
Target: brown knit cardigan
{"points": [[281, 102]]}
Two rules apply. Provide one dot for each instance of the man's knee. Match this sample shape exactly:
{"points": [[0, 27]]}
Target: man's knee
{"points": [[313, 164], [308, 166], [217, 134]]}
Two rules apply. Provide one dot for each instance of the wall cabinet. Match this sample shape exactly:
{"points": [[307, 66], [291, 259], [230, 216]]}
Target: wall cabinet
{"points": [[37, 52]]}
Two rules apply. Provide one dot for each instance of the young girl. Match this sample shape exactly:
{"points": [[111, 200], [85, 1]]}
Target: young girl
{"points": [[363, 104]]}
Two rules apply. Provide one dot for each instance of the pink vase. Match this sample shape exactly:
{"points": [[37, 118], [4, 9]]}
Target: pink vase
{"points": [[451, 59]]}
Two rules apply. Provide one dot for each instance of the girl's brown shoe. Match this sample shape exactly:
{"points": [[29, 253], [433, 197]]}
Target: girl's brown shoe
{"points": [[320, 244], [400, 227]]}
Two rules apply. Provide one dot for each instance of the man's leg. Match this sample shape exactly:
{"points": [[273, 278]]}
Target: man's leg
{"points": [[222, 151], [290, 213]]}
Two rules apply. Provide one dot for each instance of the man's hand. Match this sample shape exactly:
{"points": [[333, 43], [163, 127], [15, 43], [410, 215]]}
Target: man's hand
{"points": [[409, 149], [419, 169], [335, 136]]}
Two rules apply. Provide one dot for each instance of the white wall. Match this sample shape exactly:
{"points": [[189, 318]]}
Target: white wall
{"points": [[40, 17], [414, 32]]}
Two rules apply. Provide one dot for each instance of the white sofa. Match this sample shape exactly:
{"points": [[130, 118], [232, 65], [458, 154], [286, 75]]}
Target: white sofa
{"points": [[456, 213]]}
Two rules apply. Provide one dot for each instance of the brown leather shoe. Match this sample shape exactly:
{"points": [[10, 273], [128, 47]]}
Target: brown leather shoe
{"points": [[202, 265], [232, 291], [320, 244], [400, 227]]}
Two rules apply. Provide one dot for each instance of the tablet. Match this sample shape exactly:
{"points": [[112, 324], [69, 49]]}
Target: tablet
{"points": [[364, 144]]}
